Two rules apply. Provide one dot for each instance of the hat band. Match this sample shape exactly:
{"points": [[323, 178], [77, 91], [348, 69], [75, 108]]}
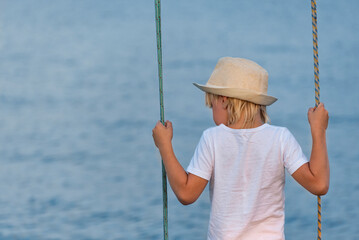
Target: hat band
{"points": [[244, 94]]}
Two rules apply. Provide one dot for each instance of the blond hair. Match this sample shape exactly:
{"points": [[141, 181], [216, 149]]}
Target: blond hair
{"points": [[240, 109]]}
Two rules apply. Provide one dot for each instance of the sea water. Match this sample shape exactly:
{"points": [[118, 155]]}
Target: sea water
{"points": [[79, 98]]}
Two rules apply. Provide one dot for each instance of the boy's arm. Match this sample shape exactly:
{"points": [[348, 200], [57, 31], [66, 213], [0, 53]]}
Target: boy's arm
{"points": [[314, 176], [187, 187]]}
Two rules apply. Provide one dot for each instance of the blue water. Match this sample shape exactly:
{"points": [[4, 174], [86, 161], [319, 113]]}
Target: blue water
{"points": [[79, 98]]}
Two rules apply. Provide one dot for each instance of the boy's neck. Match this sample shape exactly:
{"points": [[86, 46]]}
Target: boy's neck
{"points": [[239, 124]]}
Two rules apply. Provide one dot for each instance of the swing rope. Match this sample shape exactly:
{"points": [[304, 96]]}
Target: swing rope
{"points": [[317, 94], [162, 115]]}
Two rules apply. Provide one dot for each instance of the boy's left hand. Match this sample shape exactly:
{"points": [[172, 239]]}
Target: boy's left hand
{"points": [[162, 134]]}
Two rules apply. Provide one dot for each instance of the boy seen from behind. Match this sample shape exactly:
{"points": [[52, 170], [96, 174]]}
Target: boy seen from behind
{"points": [[243, 157]]}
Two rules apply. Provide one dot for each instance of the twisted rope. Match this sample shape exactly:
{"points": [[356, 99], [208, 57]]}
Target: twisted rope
{"points": [[315, 52], [317, 94], [162, 115]]}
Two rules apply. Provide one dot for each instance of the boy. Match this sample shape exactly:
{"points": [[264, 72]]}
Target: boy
{"points": [[243, 157]]}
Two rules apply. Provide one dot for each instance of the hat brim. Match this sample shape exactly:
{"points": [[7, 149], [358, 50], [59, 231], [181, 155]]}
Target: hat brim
{"points": [[244, 94]]}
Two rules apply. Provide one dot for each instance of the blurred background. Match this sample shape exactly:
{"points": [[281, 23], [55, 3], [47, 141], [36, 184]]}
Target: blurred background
{"points": [[79, 98]]}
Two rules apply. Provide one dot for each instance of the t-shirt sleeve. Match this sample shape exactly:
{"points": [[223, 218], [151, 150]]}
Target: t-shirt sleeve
{"points": [[293, 155], [202, 161]]}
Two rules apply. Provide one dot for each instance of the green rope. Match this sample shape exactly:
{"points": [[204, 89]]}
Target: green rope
{"points": [[317, 94], [160, 78]]}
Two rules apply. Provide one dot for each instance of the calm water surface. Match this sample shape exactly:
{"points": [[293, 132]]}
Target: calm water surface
{"points": [[79, 98]]}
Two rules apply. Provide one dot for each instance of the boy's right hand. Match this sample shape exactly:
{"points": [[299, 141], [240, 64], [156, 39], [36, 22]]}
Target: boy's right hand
{"points": [[318, 118]]}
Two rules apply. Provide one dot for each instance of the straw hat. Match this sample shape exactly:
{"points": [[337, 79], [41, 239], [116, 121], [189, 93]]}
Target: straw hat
{"points": [[239, 78]]}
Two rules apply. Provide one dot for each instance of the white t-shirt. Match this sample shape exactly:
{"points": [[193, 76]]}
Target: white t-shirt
{"points": [[245, 168]]}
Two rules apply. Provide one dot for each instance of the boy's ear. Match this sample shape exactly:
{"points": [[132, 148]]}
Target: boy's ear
{"points": [[224, 101]]}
